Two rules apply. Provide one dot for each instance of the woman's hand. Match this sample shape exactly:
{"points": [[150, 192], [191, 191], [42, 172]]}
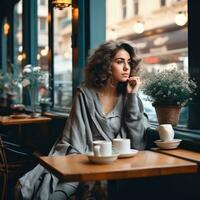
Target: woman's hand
{"points": [[133, 85]]}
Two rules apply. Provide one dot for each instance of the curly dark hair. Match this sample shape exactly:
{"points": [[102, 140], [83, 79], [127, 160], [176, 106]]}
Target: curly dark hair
{"points": [[98, 68]]}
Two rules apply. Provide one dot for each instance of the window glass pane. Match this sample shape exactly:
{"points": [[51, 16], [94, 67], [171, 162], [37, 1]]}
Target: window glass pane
{"points": [[162, 44], [62, 58], [43, 47], [18, 36]]}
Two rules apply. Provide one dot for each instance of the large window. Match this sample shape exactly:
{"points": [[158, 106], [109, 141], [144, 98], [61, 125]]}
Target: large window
{"points": [[162, 44], [62, 59], [18, 55], [43, 48], [61, 78]]}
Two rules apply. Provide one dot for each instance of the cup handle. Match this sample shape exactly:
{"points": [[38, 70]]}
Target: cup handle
{"points": [[97, 150]]}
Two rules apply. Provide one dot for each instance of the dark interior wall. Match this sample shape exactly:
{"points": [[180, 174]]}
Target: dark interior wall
{"points": [[173, 187], [194, 61], [41, 137], [38, 137]]}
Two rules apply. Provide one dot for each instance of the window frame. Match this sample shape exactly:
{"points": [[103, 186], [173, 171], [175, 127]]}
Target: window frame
{"points": [[136, 7], [42, 22], [162, 3], [124, 9]]}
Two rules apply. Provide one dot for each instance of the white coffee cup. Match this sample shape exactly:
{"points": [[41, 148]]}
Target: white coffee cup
{"points": [[121, 145], [166, 132], [102, 148]]}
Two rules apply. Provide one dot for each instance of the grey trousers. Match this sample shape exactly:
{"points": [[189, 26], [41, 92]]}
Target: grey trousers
{"points": [[64, 191]]}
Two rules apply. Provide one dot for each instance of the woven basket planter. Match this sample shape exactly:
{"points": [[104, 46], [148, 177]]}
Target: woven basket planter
{"points": [[168, 114]]}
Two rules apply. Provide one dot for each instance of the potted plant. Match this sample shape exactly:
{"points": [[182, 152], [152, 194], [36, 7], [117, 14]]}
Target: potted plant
{"points": [[168, 90], [31, 78]]}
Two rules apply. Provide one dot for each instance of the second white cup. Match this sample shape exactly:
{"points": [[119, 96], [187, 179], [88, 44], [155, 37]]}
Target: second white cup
{"points": [[102, 148], [121, 145]]}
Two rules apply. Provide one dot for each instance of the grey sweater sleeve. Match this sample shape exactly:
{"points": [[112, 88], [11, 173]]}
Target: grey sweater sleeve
{"points": [[77, 130], [135, 122]]}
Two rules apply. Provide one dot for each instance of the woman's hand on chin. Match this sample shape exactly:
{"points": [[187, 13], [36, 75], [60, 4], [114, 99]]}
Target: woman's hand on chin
{"points": [[133, 85]]}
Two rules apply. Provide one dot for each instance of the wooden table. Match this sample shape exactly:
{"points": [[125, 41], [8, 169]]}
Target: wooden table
{"points": [[9, 120], [181, 153], [144, 164]]}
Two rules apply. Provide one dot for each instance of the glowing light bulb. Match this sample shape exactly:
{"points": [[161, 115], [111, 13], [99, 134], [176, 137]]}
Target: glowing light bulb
{"points": [[180, 19], [139, 27]]}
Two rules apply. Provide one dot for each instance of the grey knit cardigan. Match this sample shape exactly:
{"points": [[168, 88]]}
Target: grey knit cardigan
{"points": [[86, 123]]}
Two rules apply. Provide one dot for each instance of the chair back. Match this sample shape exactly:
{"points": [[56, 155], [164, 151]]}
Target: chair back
{"points": [[3, 168], [10, 168]]}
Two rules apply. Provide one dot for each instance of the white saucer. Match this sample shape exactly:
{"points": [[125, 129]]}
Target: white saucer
{"points": [[132, 153], [102, 159], [173, 144]]}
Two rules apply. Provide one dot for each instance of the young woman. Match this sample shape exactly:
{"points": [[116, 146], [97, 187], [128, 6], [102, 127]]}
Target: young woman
{"points": [[106, 106]]}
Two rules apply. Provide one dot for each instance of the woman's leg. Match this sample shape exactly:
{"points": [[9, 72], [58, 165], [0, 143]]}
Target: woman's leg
{"points": [[59, 195], [64, 191]]}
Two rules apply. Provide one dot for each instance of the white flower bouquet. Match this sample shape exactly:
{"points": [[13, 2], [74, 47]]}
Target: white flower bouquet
{"points": [[169, 87], [32, 76]]}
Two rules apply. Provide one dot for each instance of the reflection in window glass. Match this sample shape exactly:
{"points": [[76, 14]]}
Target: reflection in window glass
{"points": [[43, 48], [62, 58], [162, 45]]}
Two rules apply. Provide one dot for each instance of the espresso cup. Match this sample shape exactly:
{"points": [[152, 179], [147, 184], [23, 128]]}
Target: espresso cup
{"points": [[166, 132], [121, 145], [102, 148]]}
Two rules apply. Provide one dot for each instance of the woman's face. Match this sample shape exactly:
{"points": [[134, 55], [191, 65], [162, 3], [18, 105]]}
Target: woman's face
{"points": [[121, 66]]}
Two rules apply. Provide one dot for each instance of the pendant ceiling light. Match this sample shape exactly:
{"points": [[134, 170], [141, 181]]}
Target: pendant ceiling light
{"points": [[181, 18], [6, 28], [139, 27], [60, 4]]}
